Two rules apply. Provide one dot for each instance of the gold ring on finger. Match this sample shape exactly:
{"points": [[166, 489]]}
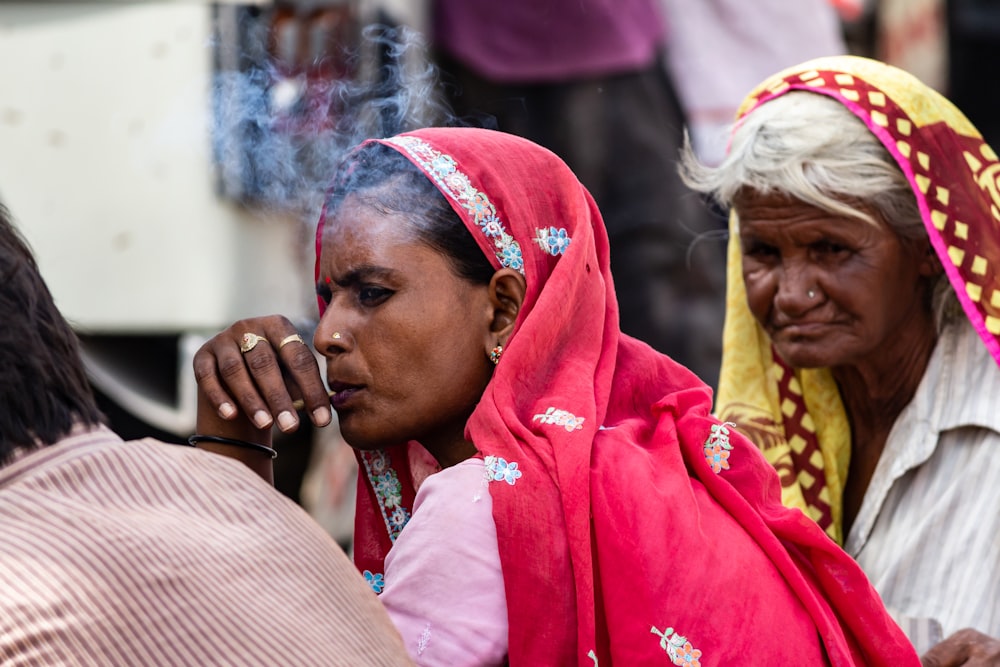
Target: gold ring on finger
{"points": [[249, 341], [294, 338]]}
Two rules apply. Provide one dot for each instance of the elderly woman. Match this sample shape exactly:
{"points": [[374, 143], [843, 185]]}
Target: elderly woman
{"points": [[861, 339], [536, 488]]}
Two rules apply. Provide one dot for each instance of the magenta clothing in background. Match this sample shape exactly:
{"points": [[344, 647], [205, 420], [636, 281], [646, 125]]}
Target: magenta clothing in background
{"points": [[529, 41]]}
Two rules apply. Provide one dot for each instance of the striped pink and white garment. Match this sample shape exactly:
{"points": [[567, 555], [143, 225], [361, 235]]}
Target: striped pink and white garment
{"points": [[144, 553]]}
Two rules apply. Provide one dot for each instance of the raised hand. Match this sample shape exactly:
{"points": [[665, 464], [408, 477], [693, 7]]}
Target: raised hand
{"points": [[255, 374]]}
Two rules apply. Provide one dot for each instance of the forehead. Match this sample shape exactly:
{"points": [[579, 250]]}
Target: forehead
{"points": [[752, 205], [779, 213], [360, 234], [361, 221]]}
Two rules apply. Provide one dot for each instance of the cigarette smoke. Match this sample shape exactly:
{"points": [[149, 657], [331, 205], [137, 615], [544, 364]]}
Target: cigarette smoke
{"points": [[279, 134]]}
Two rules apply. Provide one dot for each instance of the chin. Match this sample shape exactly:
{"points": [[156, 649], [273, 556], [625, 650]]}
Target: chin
{"points": [[358, 438], [805, 356]]}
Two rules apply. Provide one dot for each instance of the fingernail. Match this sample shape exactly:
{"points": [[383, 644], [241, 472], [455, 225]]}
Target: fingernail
{"points": [[227, 411], [262, 419], [322, 416], [287, 421]]}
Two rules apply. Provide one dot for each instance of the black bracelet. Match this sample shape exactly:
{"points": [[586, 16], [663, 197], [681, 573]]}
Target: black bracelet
{"points": [[195, 439]]}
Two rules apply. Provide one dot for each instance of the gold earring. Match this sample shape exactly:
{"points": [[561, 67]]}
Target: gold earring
{"points": [[336, 335], [495, 354]]}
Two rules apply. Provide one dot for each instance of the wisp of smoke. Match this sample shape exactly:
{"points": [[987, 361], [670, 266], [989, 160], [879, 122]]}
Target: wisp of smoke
{"points": [[278, 137]]}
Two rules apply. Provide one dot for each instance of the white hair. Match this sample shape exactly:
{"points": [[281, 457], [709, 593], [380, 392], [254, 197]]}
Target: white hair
{"points": [[811, 148]]}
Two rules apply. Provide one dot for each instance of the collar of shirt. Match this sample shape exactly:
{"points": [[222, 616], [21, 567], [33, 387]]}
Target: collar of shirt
{"points": [[951, 394]]}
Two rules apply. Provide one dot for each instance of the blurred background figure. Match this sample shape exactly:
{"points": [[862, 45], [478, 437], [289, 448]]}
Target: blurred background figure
{"points": [[719, 49]]}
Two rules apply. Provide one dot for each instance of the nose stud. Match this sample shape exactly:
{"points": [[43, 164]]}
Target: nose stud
{"points": [[811, 294], [336, 335]]}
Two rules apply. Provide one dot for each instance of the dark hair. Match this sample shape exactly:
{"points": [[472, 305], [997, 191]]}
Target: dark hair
{"points": [[43, 386], [389, 183]]}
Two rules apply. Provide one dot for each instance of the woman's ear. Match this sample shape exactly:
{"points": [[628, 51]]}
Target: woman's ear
{"points": [[930, 263], [506, 293]]}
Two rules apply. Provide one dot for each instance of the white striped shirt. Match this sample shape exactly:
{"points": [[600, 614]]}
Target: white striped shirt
{"points": [[144, 553], [928, 531]]}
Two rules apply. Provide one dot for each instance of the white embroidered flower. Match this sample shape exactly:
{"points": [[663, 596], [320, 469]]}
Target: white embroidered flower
{"points": [[562, 418]]}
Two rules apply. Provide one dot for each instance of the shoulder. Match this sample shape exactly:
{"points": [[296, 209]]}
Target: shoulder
{"points": [[961, 383], [452, 511], [444, 587], [122, 527]]}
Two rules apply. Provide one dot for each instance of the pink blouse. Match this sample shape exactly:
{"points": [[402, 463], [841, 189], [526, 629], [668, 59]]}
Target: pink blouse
{"points": [[444, 587]]}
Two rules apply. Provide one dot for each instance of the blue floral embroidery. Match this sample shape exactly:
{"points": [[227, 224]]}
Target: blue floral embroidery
{"points": [[376, 581], [567, 420], [678, 648], [499, 469], [378, 464], [443, 170], [399, 517], [512, 258], [388, 491], [492, 227], [552, 240]]}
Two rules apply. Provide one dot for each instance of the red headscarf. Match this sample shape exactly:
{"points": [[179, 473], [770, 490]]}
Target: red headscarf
{"points": [[633, 527]]}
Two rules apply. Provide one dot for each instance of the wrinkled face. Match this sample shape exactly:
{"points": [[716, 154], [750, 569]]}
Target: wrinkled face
{"points": [[865, 283], [405, 339]]}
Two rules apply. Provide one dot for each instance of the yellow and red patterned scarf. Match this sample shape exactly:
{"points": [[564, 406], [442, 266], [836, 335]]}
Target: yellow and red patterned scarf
{"points": [[796, 416]]}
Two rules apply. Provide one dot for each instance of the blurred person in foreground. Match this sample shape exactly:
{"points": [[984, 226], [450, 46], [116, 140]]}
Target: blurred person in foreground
{"points": [[143, 552], [861, 344], [536, 487]]}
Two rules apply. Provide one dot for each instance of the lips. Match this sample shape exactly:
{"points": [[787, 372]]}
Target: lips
{"points": [[804, 327], [800, 329], [342, 393]]}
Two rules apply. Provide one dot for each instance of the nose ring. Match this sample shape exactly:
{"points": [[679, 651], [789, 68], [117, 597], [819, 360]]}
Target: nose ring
{"points": [[336, 335], [811, 294]]}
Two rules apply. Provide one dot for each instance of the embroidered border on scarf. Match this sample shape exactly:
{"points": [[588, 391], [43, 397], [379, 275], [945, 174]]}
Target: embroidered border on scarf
{"points": [[388, 491], [443, 170]]}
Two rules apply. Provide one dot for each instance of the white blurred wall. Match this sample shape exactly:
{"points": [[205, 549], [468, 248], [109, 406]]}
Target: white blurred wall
{"points": [[106, 165], [105, 162]]}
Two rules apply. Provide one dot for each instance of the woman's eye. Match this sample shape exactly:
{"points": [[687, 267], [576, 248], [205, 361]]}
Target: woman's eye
{"points": [[760, 250], [369, 295], [830, 247], [324, 293]]}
